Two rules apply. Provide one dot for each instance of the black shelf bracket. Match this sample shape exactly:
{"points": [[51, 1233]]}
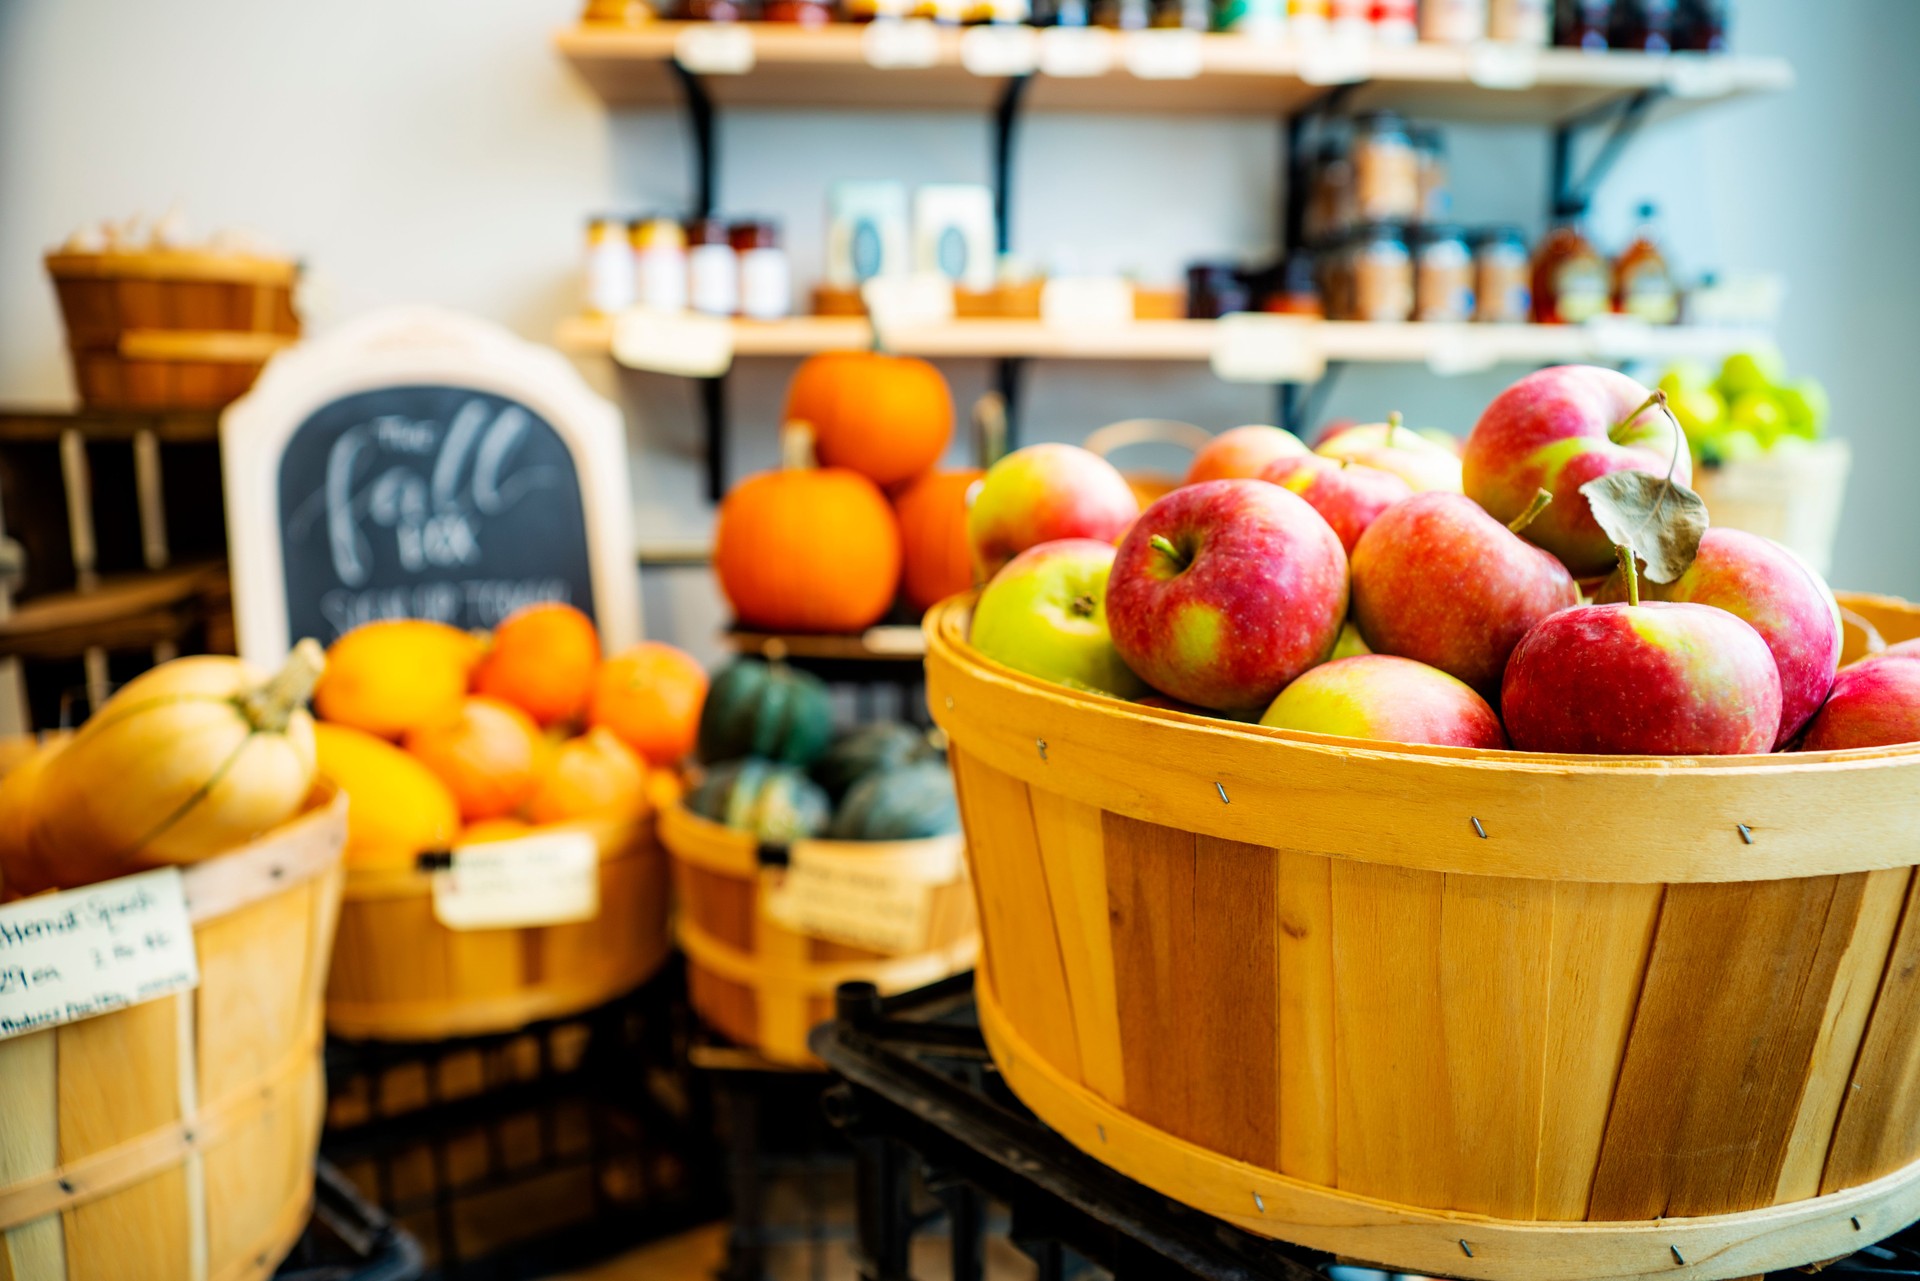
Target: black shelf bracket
{"points": [[1299, 405], [713, 412], [1006, 114], [700, 121], [1572, 196]]}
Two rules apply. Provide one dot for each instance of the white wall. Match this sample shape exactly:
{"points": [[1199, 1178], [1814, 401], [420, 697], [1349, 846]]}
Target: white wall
{"points": [[414, 150]]}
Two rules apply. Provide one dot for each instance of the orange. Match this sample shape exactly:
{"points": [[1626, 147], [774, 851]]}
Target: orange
{"points": [[665, 787], [650, 695], [593, 776], [394, 675], [542, 660], [492, 829], [490, 756], [396, 807]]}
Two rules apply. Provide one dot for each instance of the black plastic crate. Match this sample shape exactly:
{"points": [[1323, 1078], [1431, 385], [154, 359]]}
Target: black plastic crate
{"points": [[348, 1238]]}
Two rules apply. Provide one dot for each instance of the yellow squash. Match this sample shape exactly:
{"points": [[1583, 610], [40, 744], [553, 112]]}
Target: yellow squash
{"points": [[187, 761], [396, 807]]}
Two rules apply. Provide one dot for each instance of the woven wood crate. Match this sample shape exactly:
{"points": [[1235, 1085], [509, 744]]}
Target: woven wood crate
{"points": [[1480, 1014]]}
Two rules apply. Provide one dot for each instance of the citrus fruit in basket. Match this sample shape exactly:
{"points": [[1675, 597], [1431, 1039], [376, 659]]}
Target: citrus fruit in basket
{"points": [[394, 675], [650, 695], [542, 660], [593, 776], [396, 806], [490, 756]]}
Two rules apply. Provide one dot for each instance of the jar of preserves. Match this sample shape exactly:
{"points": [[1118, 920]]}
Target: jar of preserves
{"points": [[1188, 15], [1382, 273], [1309, 19], [1296, 293], [805, 13], [1442, 276], [1386, 171], [766, 281], [1583, 24], [1502, 280], [1520, 21], [1642, 25], [1396, 21], [610, 277], [1571, 283], [1453, 21], [713, 269], [1701, 25], [1216, 288], [1430, 152], [660, 264], [714, 10], [1122, 15], [1329, 208]]}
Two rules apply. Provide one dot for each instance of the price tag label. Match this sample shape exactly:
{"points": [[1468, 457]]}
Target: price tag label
{"points": [[1076, 302], [715, 49], [85, 952], [999, 51], [684, 343], [872, 900], [1335, 59], [1460, 349], [1501, 65], [900, 43], [1075, 52], [907, 300], [1255, 348], [1699, 75], [548, 878], [895, 638], [1163, 55], [1615, 337]]}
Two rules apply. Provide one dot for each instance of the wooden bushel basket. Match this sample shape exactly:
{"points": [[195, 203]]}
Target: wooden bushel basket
{"points": [[764, 984], [1792, 498], [400, 975], [1480, 1014], [174, 1140], [171, 329]]}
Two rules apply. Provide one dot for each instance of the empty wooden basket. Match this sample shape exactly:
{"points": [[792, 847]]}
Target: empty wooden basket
{"points": [[174, 1140], [400, 975], [1481, 1014], [171, 329], [763, 983]]}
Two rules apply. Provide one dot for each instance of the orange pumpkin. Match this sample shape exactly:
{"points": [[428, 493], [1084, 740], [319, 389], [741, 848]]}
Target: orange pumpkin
{"points": [[933, 536], [807, 549], [887, 417]]}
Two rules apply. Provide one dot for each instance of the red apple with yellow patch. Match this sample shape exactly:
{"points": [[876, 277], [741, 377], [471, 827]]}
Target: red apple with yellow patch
{"points": [[1225, 591], [1348, 497], [1429, 467], [1379, 696], [1874, 703], [1242, 453], [1042, 494]]}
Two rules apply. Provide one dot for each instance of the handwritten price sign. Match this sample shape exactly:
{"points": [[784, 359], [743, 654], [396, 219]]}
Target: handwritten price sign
{"points": [[71, 956]]}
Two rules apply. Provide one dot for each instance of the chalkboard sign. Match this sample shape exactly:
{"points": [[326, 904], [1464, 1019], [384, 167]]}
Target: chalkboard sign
{"points": [[423, 465]]}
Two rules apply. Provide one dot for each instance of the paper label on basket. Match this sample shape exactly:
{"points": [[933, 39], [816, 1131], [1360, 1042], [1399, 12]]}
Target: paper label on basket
{"points": [[686, 344], [1498, 64], [84, 952], [876, 900], [1254, 348], [999, 50], [900, 43], [1164, 55], [549, 878], [1073, 52], [715, 49]]}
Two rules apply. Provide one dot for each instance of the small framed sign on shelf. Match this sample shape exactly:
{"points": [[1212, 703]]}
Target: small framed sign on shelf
{"points": [[422, 464]]}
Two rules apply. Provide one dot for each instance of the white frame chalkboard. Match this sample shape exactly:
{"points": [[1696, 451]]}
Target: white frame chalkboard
{"points": [[417, 346]]}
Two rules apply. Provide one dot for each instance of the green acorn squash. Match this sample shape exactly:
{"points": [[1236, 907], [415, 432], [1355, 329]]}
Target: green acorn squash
{"points": [[883, 745], [769, 710], [910, 803], [777, 803]]}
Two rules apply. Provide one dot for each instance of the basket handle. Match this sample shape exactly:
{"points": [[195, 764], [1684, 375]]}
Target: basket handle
{"points": [[1115, 437]]}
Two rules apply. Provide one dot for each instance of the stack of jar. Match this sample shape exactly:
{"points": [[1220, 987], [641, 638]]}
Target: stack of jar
{"points": [[703, 265], [1646, 26]]}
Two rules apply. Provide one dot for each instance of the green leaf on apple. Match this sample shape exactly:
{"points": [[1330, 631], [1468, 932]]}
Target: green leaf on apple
{"points": [[1660, 518]]}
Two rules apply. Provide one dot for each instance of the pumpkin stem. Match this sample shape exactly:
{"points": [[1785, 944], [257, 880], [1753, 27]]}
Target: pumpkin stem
{"points": [[270, 706], [796, 447]]}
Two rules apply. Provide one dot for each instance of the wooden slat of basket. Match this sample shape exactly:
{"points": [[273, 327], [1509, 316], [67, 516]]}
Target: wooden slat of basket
{"points": [[218, 346], [174, 264], [1074, 858], [30, 1148], [1879, 1126], [1303, 1021]]}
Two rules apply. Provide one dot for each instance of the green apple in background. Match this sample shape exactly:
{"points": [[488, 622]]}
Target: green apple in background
{"points": [[1699, 409], [1732, 445], [1806, 405], [1759, 413], [1045, 614], [1751, 371], [1685, 376]]}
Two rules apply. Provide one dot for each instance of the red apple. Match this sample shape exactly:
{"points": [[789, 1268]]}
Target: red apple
{"points": [[1556, 430], [1904, 647], [1874, 703], [1042, 494], [1241, 454], [1391, 447], [1655, 679], [1348, 497], [1438, 580], [1759, 581], [1381, 697], [1223, 592]]}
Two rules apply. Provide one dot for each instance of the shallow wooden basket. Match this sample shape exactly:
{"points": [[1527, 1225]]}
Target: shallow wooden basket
{"points": [[763, 984], [171, 329], [1481, 1014], [175, 1139], [400, 975]]}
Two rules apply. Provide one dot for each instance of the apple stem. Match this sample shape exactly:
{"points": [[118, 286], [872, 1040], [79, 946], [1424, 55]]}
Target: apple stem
{"points": [[1659, 397], [1394, 421], [1624, 554], [1164, 545], [1541, 497], [1082, 606]]}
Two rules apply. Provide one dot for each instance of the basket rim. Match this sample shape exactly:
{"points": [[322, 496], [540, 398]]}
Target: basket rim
{"points": [[172, 264], [945, 632]]}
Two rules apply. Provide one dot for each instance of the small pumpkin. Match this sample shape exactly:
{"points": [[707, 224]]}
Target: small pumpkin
{"points": [[933, 536], [396, 806], [807, 549], [887, 417], [883, 745], [773, 802], [906, 804], [757, 708], [187, 761]]}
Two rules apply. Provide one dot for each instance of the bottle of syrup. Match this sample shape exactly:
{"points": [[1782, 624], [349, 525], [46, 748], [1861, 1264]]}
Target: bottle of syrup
{"points": [[1642, 282], [1570, 280]]}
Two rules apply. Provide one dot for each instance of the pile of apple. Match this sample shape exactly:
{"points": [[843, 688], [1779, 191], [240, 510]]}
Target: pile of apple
{"points": [[1553, 587]]}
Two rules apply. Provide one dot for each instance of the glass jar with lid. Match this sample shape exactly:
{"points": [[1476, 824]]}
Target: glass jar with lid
{"points": [[1502, 286], [1386, 169], [1443, 275], [1381, 272], [766, 282]]}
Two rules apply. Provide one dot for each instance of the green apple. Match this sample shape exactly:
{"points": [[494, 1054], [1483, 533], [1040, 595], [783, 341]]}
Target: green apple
{"points": [[1732, 445], [1684, 376], [1751, 371], [1699, 410], [1045, 614], [1806, 405], [1759, 413]]}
